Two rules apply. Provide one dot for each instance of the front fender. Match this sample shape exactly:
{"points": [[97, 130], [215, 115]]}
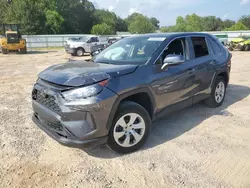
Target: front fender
{"points": [[125, 95]]}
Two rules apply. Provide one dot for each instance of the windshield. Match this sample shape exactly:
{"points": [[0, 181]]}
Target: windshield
{"points": [[136, 50], [12, 38], [83, 39]]}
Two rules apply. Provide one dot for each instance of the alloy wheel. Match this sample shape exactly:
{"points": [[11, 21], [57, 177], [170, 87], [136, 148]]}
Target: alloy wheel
{"points": [[129, 130], [219, 92]]}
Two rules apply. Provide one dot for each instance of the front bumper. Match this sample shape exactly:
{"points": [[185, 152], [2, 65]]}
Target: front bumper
{"points": [[70, 50], [66, 141], [77, 126]]}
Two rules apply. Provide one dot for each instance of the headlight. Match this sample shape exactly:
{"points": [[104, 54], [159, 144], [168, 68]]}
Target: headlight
{"points": [[81, 93], [84, 92]]}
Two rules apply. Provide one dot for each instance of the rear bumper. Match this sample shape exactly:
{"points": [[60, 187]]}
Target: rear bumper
{"points": [[69, 142]]}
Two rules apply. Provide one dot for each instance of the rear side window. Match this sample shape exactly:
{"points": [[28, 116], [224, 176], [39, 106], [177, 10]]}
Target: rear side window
{"points": [[200, 46], [215, 46]]}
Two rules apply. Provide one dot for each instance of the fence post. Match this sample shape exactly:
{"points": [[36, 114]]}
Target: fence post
{"points": [[47, 41]]}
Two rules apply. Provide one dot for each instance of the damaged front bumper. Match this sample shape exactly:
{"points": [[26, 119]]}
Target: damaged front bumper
{"points": [[76, 125]]}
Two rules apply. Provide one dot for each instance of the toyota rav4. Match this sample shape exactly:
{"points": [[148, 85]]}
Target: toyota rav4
{"points": [[114, 98]]}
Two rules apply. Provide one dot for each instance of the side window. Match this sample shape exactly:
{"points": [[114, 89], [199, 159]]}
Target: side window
{"points": [[96, 39], [215, 46], [200, 46], [93, 39], [177, 47]]}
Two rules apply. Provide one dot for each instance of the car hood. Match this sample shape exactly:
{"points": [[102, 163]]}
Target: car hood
{"points": [[81, 73]]}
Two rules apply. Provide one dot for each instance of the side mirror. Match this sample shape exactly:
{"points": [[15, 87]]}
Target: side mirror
{"points": [[172, 60]]}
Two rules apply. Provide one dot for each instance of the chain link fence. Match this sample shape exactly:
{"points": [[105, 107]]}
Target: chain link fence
{"points": [[51, 41]]}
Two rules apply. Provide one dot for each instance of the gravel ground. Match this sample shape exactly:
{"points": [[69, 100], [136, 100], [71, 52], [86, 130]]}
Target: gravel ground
{"points": [[197, 147]]}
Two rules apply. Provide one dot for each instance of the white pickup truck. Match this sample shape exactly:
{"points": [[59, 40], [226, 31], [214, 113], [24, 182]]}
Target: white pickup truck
{"points": [[86, 44]]}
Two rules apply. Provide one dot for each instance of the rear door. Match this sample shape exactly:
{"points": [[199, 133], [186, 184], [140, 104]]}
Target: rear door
{"points": [[205, 62]]}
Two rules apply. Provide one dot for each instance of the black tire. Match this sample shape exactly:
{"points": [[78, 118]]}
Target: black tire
{"points": [[4, 51], [211, 101], [80, 52], [126, 108], [242, 48], [247, 47], [23, 50]]}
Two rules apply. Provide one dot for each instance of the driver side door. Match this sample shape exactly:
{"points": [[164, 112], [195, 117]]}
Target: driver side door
{"points": [[174, 84]]}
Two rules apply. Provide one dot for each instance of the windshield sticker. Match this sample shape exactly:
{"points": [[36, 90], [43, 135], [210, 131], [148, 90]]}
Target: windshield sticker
{"points": [[157, 39]]}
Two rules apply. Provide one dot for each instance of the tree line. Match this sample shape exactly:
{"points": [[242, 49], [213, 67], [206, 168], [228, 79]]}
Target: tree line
{"points": [[81, 16], [70, 17], [195, 23]]}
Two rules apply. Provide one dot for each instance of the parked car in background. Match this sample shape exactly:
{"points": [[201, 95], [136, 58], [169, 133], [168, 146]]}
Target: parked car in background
{"points": [[86, 44], [107, 43], [74, 39], [112, 40], [114, 98]]}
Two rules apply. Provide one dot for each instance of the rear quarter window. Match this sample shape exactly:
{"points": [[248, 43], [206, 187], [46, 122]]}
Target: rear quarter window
{"points": [[215, 46]]}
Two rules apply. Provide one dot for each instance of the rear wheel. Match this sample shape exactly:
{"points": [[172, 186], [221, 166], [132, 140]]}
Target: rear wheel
{"points": [[24, 50], [130, 128], [218, 93], [80, 51], [4, 51]]}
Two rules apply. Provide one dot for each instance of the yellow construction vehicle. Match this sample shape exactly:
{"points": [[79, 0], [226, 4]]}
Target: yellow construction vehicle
{"points": [[11, 39]]}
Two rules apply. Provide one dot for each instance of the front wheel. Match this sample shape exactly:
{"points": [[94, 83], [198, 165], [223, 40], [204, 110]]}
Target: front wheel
{"points": [[80, 51], [217, 95], [130, 128]]}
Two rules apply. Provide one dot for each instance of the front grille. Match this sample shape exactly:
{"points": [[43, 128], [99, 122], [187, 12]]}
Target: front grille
{"points": [[46, 100], [56, 127]]}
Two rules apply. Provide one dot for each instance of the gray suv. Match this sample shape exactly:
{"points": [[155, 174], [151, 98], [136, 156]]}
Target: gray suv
{"points": [[114, 98]]}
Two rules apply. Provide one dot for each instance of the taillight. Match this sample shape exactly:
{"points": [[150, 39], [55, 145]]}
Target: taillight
{"points": [[229, 61]]}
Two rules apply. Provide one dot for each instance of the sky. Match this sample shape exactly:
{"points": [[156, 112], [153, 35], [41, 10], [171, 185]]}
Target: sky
{"points": [[166, 11]]}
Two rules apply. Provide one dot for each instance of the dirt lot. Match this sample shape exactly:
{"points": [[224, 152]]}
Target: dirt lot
{"points": [[198, 147]]}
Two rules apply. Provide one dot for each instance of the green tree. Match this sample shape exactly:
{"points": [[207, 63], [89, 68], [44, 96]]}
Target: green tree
{"points": [[181, 25], [141, 24], [165, 29], [53, 21], [245, 20], [193, 23], [102, 29], [211, 23], [237, 27], [78, 15], [228, 23], [104, 16], [28, 13], [121, 25], [155, 22], [131, 18]]}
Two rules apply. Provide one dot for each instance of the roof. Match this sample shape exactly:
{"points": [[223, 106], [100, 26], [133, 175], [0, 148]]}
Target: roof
{"points": [[172, 34]]}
